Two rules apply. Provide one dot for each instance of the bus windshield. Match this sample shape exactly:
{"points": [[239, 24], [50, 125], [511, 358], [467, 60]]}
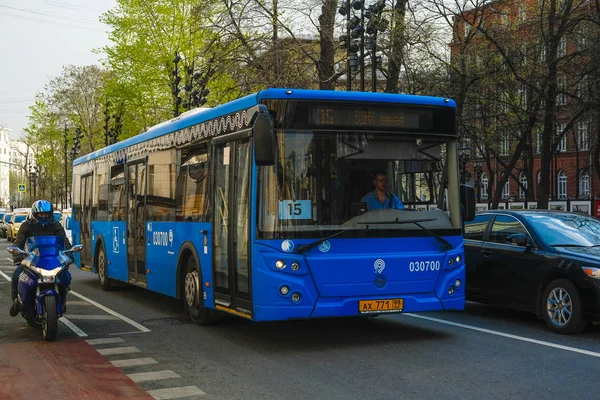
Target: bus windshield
{"points": [[320, 180]]}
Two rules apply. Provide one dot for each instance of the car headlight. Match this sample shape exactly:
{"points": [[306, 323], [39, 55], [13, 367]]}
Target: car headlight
{"points": [[592, 272]]}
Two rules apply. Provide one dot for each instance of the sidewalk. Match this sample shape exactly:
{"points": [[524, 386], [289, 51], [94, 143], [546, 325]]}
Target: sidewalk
{"points": [[66, 369]]}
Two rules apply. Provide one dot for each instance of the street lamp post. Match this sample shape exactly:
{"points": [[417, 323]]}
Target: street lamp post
{"points": [[478, 169], [66, 158], [355, 40], [464, 156]]}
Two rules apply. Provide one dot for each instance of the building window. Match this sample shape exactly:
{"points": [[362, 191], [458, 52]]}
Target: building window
{"points": [[523, 13], [506, 190], [523, 180], [562, 185], [583, 39], [522, 95], [583, 137], [583, 88], [562, 47], [562, 145], [561, 87], [484, 186], [584, 184], [504, 143]]}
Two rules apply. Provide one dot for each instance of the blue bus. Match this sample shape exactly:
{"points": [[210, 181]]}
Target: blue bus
{"points": [[255, 207]]}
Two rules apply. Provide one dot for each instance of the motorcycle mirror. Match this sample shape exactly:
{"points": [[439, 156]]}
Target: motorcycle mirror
{"points": [[77, 248], [14, 250]]}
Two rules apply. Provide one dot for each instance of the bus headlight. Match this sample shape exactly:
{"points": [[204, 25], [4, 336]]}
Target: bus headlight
{"points": [[295, 297], [295, 266], [458, 259], [457, 283], [280, 264], [451, 290], [284, 290]]}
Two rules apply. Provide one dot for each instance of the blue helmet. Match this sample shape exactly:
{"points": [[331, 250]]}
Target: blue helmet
{"points": [[42, 206]]}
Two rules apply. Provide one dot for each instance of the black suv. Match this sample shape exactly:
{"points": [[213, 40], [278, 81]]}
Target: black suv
{"points": [[540, 261]]}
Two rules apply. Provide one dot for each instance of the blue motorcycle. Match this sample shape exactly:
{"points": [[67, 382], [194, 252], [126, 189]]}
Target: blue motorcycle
{"points": [[44, 282]]}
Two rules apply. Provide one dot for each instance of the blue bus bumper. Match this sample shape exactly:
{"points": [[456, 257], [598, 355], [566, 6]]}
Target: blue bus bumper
{"points": [[348, 307]]}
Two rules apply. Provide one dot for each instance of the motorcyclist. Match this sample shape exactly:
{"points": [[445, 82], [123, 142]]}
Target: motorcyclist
{"points": [[41, 223]]}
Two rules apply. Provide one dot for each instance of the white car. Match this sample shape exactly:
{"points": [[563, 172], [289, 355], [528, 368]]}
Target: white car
{"points": [[66, 213]]}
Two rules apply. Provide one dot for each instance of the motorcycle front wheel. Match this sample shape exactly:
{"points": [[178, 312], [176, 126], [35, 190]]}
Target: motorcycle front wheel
{"points": [[50, 324]]}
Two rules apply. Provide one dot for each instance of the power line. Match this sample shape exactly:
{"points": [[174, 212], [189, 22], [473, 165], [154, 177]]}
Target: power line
{"points": [[68, 5], [15, 101], [51, 22], [66, 17]]}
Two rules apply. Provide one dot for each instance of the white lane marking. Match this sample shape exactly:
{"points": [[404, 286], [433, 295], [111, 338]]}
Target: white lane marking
{"points": [[5, 276], [508, 335], [176, 392], [78, 303], [133, 362], [64, 320], [118, 350], [124, 333], [97, 317], [73, 327], [152, 376], [94, 342], [116, 314]]}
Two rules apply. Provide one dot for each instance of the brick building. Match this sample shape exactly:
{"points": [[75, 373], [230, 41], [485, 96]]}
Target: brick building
{"points": [[494, 118]]}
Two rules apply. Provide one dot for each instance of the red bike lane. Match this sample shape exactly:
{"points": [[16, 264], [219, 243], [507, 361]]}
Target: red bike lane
{"points": [[67, 369]]}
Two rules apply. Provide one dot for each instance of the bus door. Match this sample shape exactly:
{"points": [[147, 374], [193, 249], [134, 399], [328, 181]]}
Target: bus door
{"points": [[136, 219], [231, 266], [86, 218]]}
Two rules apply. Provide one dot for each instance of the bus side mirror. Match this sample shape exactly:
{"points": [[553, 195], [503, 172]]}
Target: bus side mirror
{"points": [[264, 138], [467, 202], [68, 223]]}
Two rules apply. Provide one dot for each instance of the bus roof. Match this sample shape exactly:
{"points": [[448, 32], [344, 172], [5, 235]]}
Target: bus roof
{"points": [[200, 115]]}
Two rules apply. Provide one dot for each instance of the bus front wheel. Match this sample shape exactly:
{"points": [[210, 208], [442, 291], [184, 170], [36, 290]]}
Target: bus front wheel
{"points": [[193, 294]]}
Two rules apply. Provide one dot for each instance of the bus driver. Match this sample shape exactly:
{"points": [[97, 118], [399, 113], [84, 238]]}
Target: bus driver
{"points": [[380, 198]]}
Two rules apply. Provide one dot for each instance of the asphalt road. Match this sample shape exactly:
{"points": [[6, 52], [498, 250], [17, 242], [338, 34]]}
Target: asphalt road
{"points": [[480, 353]]}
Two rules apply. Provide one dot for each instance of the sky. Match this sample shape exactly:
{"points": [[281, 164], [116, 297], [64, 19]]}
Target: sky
{"points": [[38, 38]]}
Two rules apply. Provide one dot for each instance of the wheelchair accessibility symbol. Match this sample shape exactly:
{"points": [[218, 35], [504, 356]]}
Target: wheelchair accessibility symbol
{"points": [[115, 240]]}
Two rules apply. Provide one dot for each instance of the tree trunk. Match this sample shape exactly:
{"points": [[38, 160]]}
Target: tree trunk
{"points": [[325, 69], [397, 44]]}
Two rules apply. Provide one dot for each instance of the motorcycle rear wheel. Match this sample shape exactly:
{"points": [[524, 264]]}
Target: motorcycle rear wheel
{"points": [[50, 324]]}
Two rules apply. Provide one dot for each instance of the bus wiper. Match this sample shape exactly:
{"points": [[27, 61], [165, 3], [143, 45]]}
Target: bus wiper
{"points": [[447, 245], [569, 245], [305, 247]]}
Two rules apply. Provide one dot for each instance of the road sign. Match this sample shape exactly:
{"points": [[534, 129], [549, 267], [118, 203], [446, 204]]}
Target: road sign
{"points": [[22, 187]]}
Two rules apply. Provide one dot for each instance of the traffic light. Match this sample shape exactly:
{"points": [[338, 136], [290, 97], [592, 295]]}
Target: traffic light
{"points": [[76, 148]]}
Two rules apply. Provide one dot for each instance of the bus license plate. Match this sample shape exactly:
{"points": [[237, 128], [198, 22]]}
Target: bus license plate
{"points": [[374, 306]]}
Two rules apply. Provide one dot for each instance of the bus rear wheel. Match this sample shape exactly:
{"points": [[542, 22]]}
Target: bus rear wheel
{"points": [[193, 294], [102, 270]]}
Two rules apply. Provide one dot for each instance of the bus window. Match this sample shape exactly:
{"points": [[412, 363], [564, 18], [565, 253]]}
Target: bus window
{"points": [[117, 202], [161, 186], [192, 186]]}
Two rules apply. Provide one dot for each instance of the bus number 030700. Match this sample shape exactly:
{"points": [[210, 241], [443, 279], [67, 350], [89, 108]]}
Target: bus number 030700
{"points": [[419, 266]]}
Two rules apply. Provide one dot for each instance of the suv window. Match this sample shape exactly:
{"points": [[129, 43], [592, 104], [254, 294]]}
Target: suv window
{"points": [[474, 230], [504, 226]]}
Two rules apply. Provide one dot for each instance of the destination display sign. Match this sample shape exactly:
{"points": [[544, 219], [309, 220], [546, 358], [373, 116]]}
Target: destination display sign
{"points": [[372, 117]]}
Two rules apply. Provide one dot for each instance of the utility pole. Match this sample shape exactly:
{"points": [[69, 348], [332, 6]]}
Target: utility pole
{"points": [[66, 157]]}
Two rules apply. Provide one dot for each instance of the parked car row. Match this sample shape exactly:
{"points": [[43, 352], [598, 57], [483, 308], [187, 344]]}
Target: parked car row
{"points": [[10, 221], [543, 262]]}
